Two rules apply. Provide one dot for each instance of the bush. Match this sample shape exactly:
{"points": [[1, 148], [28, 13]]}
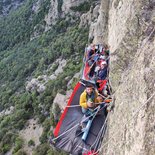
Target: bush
{"points": [[18, 144], [20, 152], [31, 143], [5, 148], [55, 66], [45, 149], [75, 80], [83, 7]]}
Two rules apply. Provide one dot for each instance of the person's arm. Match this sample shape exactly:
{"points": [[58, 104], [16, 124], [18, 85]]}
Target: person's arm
{"points": [[84, 103], [96, 98]]}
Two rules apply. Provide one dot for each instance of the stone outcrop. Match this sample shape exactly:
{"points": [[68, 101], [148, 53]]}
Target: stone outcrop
{"points": [[33, 131], [60, 8], [7, 111], [52, 15], [60, 100], [76, 76], [88, 18], [99, 27], [130, 32], [36, 6], [39, 83], [59, 103]]}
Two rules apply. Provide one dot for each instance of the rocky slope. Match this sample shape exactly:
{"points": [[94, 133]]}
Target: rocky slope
{"points": [[128, 27], [7, 5]]}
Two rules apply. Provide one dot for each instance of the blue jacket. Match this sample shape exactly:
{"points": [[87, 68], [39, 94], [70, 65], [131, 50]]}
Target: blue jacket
{"points": [[102, 73]]}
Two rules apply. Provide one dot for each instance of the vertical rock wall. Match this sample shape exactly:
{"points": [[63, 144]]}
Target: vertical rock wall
{"points": [[99, 29], [130, 33]]}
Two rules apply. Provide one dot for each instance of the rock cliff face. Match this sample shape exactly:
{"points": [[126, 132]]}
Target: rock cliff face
{"points": [[128, 27], [98, 29], [53, 13]]}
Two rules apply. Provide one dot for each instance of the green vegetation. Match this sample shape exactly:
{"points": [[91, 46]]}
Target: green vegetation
{"points": [[20, 152], [54, 67], [6, 141], [45, 149], [22, 58], [75, 80], [83, 7], [31, 143], [18, 144], [16, 30]]}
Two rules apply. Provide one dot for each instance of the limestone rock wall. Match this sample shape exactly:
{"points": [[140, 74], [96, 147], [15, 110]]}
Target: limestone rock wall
{"points": [[52, 15], [99, 28], [129, 29], [134, 135], [87, 18]]}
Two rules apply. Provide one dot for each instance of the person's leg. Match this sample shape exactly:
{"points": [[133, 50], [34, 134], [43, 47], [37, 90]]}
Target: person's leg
{"points": [[84, 118]]}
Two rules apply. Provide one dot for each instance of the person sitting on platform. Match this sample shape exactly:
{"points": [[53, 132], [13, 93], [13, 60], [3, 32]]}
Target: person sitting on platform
{"points": [[88, 98], [102, 73]]}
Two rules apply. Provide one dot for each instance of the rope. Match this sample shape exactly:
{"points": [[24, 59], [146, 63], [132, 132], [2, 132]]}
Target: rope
{"points": [[99, 110], [98, 103], [100, 129], [135, 113], [101, 135], [99, 145], [73, 127], [100, 132], [72, 106]]}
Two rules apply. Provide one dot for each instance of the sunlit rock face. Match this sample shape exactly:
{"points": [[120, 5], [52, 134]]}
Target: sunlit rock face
{"points": [[128, 28]]}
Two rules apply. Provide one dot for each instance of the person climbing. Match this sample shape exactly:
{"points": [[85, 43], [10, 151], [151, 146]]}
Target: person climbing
{"points": [[88, 98], [102, 73]]}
